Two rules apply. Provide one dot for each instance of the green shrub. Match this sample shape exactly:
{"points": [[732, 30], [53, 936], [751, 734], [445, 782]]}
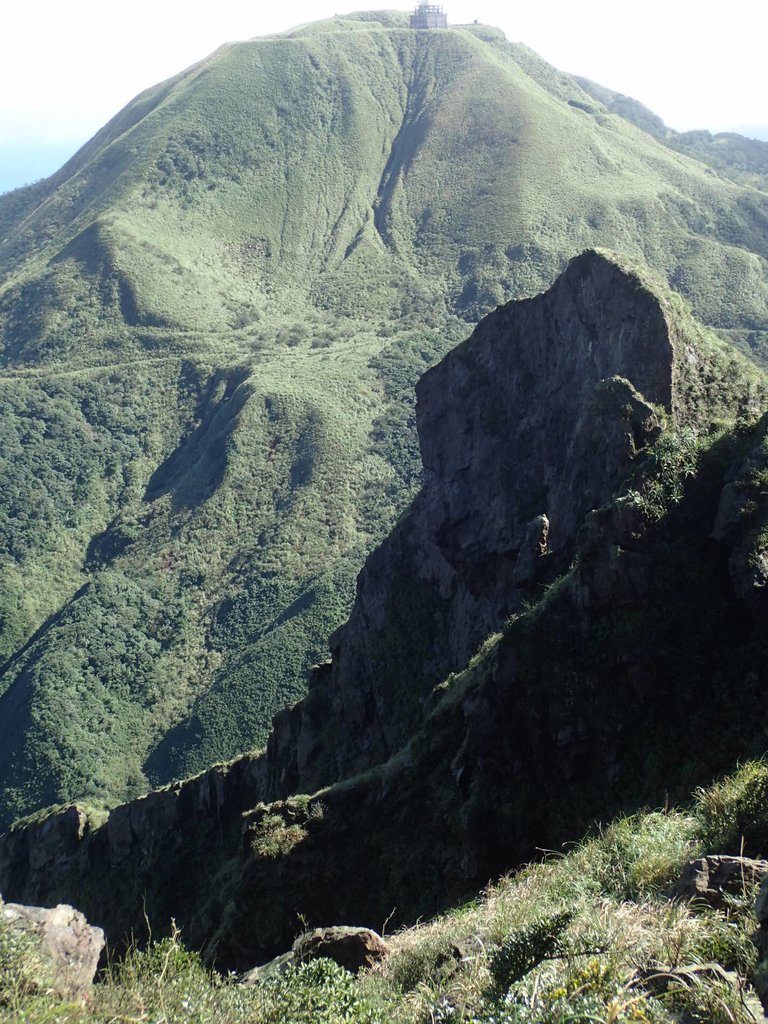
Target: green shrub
{"points": [[665, 467], [275, 837], [318, 992], [641, 855], [526, 948], [168, 983], [727, 942]]}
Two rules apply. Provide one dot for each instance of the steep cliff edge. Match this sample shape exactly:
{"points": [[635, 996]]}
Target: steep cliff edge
{"points": [[527, 426], [570, 439]]}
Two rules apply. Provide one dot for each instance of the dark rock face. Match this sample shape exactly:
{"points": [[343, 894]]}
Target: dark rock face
{"points": [[69, 948], [742, 521], [524, 428], [528, 431], [151, 853]]}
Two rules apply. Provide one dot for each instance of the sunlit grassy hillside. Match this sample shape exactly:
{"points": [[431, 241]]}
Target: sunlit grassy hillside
{"points": [[211, 322]]}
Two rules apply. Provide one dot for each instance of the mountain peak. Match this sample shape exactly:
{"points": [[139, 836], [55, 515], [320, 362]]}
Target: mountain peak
{"points": [[218, 311]]}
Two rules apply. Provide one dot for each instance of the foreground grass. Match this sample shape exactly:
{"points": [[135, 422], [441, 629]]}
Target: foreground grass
{"points": [[594, 934]]}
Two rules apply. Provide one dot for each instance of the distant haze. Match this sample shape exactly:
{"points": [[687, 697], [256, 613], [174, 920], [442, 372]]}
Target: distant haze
{"points": [[65, 69], [22, 163], [754, 131]]}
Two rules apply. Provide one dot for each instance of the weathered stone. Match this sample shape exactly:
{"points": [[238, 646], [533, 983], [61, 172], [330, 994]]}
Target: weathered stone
{"points": [[65, 939], [714, 877], [470, 947], [750, 998], [532, 549], [273, 969], [353, 948], [735, 505], [760, 980]]}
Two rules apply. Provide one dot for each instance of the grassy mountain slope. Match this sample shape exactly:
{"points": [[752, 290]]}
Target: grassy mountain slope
{"points": [[211, 320], [742, 159]]}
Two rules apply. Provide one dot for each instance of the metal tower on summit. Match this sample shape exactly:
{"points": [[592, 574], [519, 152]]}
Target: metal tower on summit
{"points": [[429, 16]]}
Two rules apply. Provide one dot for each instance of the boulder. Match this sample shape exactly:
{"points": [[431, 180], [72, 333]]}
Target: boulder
{"points": [[69, 948], [353, 948], [274, 969], [713, 877]]}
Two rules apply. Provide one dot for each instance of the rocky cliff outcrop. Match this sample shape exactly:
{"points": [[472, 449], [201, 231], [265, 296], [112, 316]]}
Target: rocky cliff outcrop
{"points": [[527, 426], [151, 857], [540, 438]]}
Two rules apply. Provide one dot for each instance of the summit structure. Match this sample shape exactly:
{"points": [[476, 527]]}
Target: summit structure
{"points": [[429, 16]]}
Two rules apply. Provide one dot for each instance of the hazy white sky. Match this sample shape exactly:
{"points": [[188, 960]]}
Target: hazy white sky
{"points": [[67, 67]]}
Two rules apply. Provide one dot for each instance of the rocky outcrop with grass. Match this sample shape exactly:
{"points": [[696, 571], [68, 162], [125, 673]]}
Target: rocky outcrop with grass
{"points": [[716, 878], [548, 635], [533, 422]]}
